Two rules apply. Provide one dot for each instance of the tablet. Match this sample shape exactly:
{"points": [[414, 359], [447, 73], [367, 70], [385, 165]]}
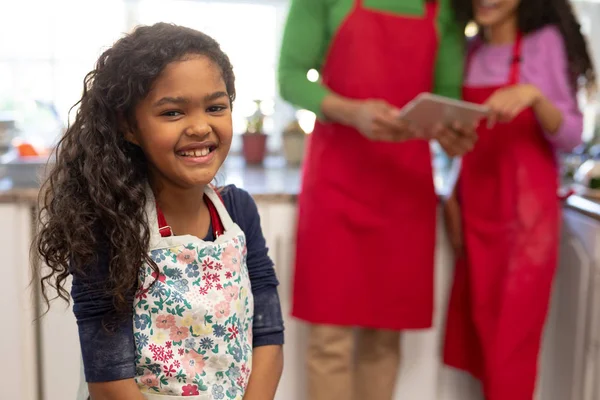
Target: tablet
{"points": [[426, 110]]}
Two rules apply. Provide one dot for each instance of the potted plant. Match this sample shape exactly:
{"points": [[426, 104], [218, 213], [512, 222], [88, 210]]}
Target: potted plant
{"points": [[254, 140], [294, 138]]}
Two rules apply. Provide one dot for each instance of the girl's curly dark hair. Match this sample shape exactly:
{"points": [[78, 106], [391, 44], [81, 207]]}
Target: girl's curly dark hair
{"points": [[535, 14], [94, 197]]}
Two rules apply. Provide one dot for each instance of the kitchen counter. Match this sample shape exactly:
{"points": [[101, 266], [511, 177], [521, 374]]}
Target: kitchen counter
{"points": [[274, 181]]}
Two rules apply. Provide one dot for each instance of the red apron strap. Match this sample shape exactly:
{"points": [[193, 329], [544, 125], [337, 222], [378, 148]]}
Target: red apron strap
{"points": [[163, 228], [217, 225], [166, 231], [515, 66]]}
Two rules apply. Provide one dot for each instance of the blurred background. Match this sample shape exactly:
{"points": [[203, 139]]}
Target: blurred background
{"points": [[47, 47]]}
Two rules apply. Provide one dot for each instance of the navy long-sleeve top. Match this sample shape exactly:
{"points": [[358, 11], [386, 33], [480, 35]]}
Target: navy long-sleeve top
{"points": [[110, 355]]}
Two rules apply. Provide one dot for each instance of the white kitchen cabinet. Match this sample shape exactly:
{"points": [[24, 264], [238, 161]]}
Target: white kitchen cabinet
{"points": [[18, 344], [571, 357]]}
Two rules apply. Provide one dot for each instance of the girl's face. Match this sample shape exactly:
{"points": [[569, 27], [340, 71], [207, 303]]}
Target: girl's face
{"points": [[489, 13], [184, 124]]}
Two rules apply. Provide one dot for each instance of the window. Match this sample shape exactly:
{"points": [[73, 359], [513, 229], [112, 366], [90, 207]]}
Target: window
{"points": [[59, 43]]}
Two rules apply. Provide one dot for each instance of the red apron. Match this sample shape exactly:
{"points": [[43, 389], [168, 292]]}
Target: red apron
{"points": [[510, 211], [367, 210]]}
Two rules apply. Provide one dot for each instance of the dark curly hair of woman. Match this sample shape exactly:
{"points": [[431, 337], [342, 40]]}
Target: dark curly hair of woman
{"points": [[95, 194], [535, 14]]}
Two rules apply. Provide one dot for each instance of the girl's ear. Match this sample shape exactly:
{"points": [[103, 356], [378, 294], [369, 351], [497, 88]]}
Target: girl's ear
{"points": [[128, 133]]}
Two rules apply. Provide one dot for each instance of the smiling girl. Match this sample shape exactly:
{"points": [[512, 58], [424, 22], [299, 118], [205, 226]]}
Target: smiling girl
{"points": [[173, 290]]}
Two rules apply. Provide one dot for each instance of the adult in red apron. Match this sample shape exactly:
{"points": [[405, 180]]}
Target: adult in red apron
{"points": [[367, 210], [510, 217]]}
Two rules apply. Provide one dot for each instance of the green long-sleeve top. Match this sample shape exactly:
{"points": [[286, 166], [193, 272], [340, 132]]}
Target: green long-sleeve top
{"points": [[312, 24]]}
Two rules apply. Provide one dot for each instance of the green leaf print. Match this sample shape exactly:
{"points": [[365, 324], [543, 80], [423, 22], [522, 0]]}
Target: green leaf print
{"points": [[163, 381], [219, 375], [174, 258], [177, 343], [230, 395], [200, 383], [146, 307], [180, 376], [179, 310], [159, 303], [196, 282], [216, 349], [208, 319], [188, 305], [202, 252], [154, 310], [148, 361], [169, 302], [190, 247], [147, 319]]}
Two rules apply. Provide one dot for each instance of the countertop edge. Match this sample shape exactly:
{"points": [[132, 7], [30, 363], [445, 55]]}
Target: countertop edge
{"points": [[586, 206]]}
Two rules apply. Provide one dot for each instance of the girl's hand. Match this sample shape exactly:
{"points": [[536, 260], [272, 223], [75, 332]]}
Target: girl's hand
{"points": [[378, 120], [505, 104]]}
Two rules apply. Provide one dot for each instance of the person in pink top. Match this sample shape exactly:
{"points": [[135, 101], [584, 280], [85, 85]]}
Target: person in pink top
{"points": [[526, 65]]}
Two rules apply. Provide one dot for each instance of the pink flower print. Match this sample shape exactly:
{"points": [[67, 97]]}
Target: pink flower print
{"points": [[169, 371], [189, 390], [207, 264], [149, 379], [228, 275], [178, 333], [180, 351], [231, 259], [168, 344], [193, 363], [231, 292], [165, 321], [222, 309], [186, 256], [219, 286]]}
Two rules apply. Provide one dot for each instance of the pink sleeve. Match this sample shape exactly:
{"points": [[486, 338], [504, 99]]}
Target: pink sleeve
{"points": [[553, 81]]}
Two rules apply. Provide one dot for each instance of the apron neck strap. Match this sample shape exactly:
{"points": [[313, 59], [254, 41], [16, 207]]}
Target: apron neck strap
{"points": [[515, 64], [165, 230]]}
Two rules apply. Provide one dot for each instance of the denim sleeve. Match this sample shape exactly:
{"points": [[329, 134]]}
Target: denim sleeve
{"points": [[108, 354], [268, 321]]}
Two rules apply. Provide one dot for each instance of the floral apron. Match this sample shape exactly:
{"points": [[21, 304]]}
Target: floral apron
{"points": [[193, 326]]}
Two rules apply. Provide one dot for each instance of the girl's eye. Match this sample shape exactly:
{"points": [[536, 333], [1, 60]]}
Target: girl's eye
{"points": [[217, 108], [171, 114]]}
